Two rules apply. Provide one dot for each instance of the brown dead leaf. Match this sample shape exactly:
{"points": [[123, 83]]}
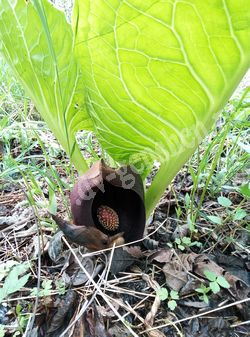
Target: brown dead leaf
{"points": [[155, 333], [164, 255], [187, 260], [175, 278], [119, 330], [239, 289], [189, 287], [121, 261], [203, 263], [107, 311], [58, 321], [135, 251], [56, 251], [74, 275], [180, 231], [93, 323], [176, 269]]}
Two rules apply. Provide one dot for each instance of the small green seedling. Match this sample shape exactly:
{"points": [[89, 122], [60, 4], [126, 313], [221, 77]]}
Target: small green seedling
{"points": [[215, 219], [187, 201], [60, 287], [178, 212], [237, 214], [185, 242], [163, 295], [22, 318], [191, 223], [245, 190], [46, 289], [203, 291], [216, 281], [14, 281], [225, 202]]}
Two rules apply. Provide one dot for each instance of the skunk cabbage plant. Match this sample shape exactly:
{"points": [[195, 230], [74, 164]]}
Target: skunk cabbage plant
{"points": [[110, 200], [147, 77]]}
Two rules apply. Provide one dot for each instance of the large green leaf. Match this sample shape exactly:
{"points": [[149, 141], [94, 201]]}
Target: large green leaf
{"points": [[37, 42], [158, 72]]}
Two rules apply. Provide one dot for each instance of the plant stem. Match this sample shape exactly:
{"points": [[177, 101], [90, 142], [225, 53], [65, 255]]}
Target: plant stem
{"points": [[156, 189], [163, 178], [78, 160]]}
